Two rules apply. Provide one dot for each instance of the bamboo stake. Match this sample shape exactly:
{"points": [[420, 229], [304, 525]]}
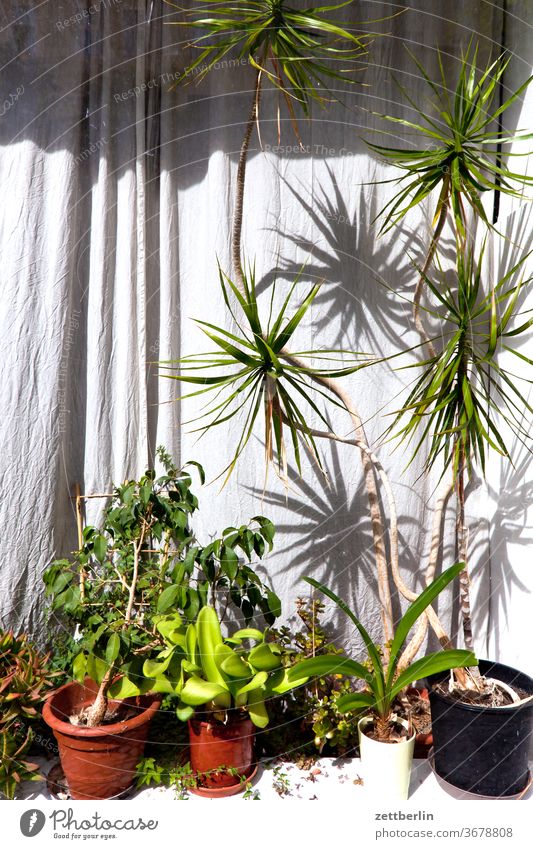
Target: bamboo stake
{"points": [[79, 525]]}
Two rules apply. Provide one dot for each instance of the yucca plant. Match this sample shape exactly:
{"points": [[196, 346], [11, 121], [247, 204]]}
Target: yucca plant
{"points": [[255, 375], [298, 50], [463, 392], [384, 681], [455, 150]]}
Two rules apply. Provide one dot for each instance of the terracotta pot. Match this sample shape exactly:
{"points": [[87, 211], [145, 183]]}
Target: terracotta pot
{"points": [[98, 763], [218, 744]]}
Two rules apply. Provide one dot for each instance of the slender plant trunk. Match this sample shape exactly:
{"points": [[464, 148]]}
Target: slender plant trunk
{"points": [[97, 711], [462, 554], [236, 250], [468, 678]]}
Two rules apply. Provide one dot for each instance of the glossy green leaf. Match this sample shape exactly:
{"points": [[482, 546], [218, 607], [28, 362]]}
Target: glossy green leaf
{"points": [[112, 648], [263, 658], [355, 701], [197, 692], [431, 664], [415, 610]]}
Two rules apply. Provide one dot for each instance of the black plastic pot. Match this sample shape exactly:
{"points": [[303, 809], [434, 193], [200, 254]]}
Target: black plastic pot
{"points": [[483, 750]]}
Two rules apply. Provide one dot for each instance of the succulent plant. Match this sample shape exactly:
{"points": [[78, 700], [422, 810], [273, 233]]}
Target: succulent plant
{"points": [[215, 674], [25, 682]]}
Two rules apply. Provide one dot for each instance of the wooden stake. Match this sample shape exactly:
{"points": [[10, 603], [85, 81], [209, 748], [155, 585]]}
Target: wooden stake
{"points": [[79, 523]]}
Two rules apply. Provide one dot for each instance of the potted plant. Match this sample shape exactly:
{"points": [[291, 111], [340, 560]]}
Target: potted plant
{"points": [[482, 719], [223, 689], [143, 561], [386, 739]]}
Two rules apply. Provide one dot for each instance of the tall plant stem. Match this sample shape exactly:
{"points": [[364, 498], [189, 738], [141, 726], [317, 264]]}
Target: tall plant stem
{"points": [[429, 616], [442, 205], [97, 711], [462, 552], [137, 548], [236, 251]]}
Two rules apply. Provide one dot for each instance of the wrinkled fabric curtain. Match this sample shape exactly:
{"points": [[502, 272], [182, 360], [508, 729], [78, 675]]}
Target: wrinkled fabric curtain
{"points": [[118, 192]]}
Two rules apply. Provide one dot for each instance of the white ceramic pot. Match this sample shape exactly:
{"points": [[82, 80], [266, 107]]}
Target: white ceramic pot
{"points": [[386, 767]]}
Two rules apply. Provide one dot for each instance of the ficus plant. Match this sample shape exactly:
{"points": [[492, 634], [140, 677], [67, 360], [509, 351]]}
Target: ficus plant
{"points": [[215, 674], [143, 561], [383, 681]]}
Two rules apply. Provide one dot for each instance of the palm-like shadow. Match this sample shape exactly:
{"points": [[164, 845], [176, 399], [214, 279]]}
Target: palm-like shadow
{"points": [[329, 537], [511, 527], [366, 295]]}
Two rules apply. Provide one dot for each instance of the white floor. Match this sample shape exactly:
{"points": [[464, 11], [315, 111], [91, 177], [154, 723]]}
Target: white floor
{"points": [[326, 780]]}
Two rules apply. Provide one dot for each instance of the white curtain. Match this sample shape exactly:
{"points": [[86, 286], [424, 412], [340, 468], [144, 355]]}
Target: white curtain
{"points": [[117, 204]]}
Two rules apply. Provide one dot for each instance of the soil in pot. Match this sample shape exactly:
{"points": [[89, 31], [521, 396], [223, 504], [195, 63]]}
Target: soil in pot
{"points": [[221, 753], [394, 732], [479, 748], [98, 763]]}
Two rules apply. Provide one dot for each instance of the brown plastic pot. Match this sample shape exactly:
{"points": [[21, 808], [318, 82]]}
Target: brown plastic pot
{"points": [[215, 745], [98, 763]]}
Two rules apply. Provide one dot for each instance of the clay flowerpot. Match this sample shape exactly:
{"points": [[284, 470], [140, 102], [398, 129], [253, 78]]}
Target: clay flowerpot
{"points": [[483, 750], [386, 766], [218, 744], [98, 763]]}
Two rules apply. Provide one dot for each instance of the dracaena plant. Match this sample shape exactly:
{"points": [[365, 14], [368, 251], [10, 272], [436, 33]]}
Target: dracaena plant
{"points": [[254, 374], [207, 672], [459, 149], [454, 153], [280, 38], [463, 392], [299, 50], [383, 682]]}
